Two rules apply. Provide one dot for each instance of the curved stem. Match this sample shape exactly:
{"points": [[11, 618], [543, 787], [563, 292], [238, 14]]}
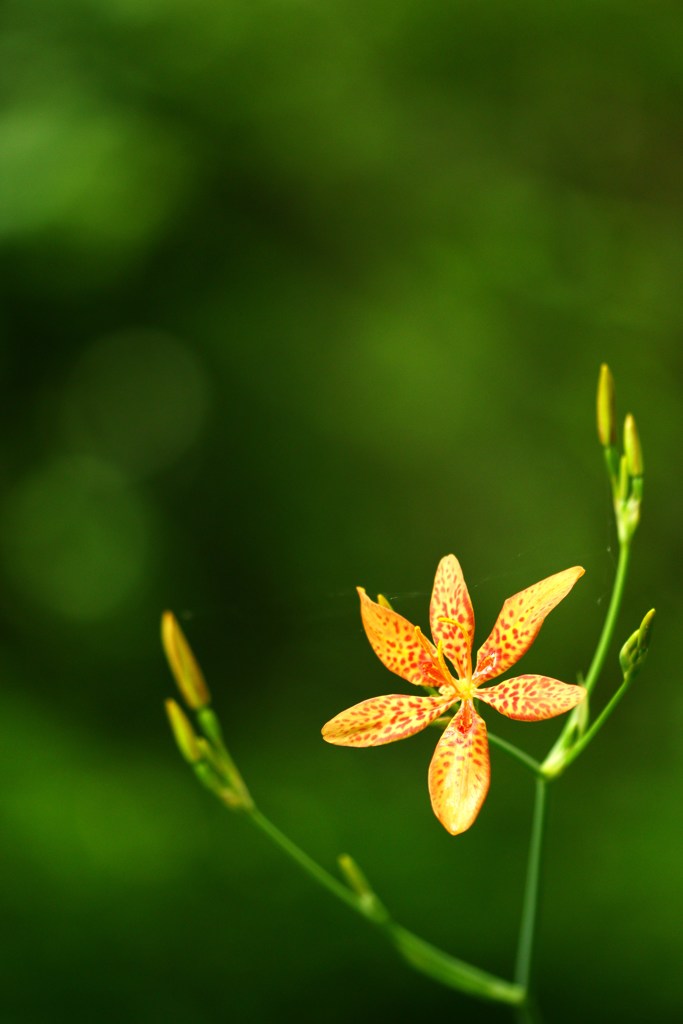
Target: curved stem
{"points": [[610, 622], [310, 866], [527, 929], [556, 760], [422, 955], [528, 1014], [513, 751], [595, 727]]}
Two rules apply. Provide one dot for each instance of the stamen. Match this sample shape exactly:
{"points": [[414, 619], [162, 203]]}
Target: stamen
{"points": [[442, 661], [424, 641], [465, 669], [453, 622]]}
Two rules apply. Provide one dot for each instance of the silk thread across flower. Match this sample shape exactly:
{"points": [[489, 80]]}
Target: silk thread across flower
{"points": [[459, 772]]}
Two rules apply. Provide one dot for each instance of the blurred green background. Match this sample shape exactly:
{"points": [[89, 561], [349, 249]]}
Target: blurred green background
{"points": [[298, 297]]}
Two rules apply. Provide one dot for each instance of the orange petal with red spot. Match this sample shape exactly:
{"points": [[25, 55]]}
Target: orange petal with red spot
{"points": [[460, 772], [519, 621], [383, 720], [451, 601], [532, 698], [394, 640]]}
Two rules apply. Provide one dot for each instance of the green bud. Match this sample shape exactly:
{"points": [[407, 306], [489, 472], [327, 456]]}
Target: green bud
{"points": [[623, 486], [645, 630], [209, 778], [360, 885], [634, 652], [632, 447], [233, 789], [607, 429], [354, 876]]}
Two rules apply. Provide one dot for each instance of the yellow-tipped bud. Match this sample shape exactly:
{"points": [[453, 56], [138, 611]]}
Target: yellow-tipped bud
{"points": [[354, 876], [632, 447], [607, 422], [645, 630], [357, 881], [634, 651], [381, 599], [623, 487], [184, 735], [183, 664]]}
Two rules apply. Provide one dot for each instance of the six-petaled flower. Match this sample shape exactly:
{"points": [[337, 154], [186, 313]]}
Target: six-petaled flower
{"points": [[459, 772]]}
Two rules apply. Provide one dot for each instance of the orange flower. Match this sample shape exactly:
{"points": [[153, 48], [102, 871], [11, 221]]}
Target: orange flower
{"points": [[459, 773]]}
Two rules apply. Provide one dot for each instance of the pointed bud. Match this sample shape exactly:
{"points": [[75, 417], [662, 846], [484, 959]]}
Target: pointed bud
{"points": [[214, 783], [645, 631], [218, 755], [632, 448], [385, 603], [208, 754], [183, 664], [628, 652], [607, 428], [623, 481], [634, 652], [358, 882], [354, 876], [183, 732]]}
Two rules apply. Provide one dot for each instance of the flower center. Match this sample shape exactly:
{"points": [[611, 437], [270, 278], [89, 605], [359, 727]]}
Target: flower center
{"points": [[463, 687], [466, 688], [437, 673], [466, 661]]}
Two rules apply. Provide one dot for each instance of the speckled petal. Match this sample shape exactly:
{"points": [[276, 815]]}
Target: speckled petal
{"points": [[460, 772], [519, 621], [532, 698], [395, 642], [383, 720], [451, 600]]}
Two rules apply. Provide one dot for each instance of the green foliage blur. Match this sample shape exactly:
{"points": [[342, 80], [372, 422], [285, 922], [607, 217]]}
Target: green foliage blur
{"points": [[297, 297]]}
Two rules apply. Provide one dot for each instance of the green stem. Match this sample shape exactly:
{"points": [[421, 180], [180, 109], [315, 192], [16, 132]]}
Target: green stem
{"points": [[610, 622], [310, 866], [527, 929], [556, 760], [211, 727], [419, 954], [528, 1013], [595, 727], [513, 751]]}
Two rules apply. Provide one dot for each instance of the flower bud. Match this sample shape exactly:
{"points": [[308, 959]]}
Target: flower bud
{"points": [[632, 447], [357, 881], [645, 630], [183, 732], [634, 652], [183, 664], [607, 429]]}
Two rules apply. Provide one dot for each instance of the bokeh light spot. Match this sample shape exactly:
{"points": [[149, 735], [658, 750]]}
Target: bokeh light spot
{"points": [[137, 399], [75, 538]]}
